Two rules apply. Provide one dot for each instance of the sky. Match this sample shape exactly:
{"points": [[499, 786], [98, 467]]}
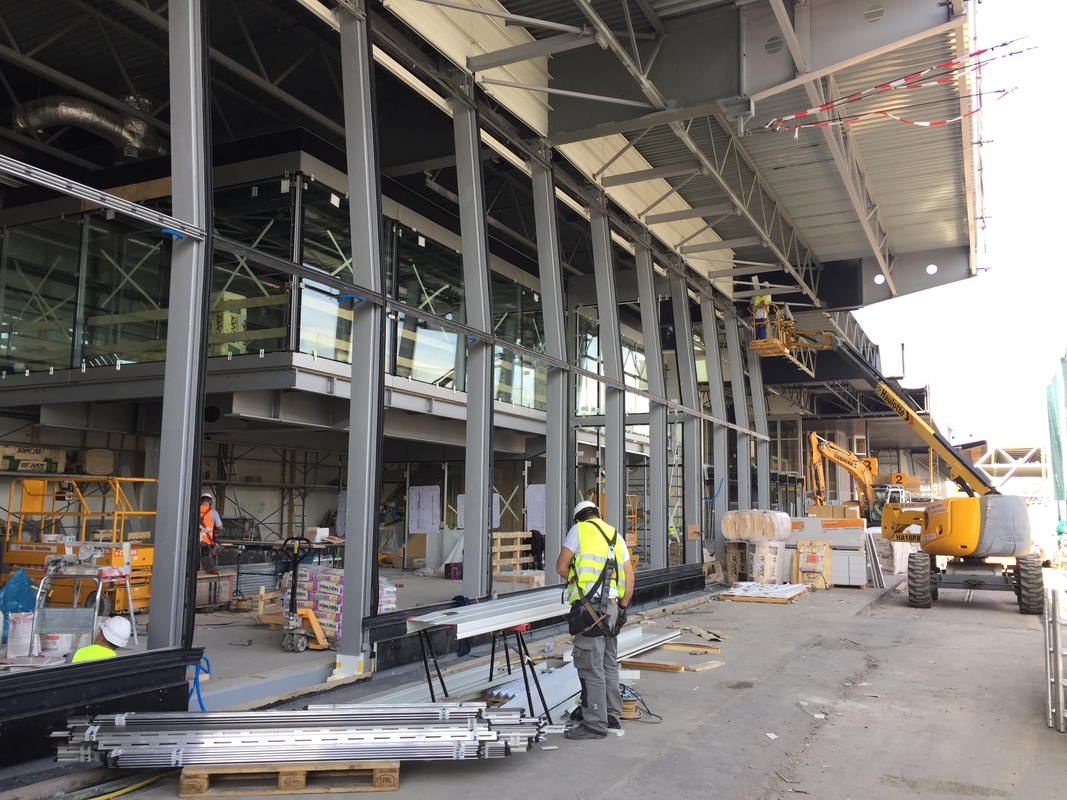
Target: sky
{"points": [[988, 346]]}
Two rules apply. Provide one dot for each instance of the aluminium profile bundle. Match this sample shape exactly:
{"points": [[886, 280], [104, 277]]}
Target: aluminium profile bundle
{"points": [[414, 732]]}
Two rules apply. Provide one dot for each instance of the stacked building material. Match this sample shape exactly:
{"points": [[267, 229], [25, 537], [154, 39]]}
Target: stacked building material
{"points": [[412, 732]]}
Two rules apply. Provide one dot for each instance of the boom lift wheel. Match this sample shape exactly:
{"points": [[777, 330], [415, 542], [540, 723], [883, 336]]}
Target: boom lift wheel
{"points": [[1031, 584], [920, 593]]}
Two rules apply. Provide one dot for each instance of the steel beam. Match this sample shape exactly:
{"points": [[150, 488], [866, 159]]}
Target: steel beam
{"points": [[478, 477], [366, 412], [610, 341], [641, 175], [181, 437], [658, 519], [559, 444], [728, 244], [715, 210], [535, 49], [740, 397], [720, 474], [692, 450], [759, 423]]}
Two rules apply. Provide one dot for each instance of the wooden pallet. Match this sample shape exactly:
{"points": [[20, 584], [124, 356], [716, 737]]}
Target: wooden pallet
{"points": [[528, 577], [749, 592], [259, 780]]}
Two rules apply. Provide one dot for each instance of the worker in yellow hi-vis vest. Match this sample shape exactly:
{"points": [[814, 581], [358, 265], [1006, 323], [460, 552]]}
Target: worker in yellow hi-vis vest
{"points": [[600, 577]]}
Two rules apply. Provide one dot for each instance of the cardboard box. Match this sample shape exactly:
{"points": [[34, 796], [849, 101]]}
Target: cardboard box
{"points": [[736, 561], [414, 550]]}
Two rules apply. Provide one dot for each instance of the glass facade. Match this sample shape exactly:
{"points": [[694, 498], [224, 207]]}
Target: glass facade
{"points": [[93, 288]]}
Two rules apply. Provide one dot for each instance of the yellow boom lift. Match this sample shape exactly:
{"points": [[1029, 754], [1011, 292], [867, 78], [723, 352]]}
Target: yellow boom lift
{"points": [[985, 535]]}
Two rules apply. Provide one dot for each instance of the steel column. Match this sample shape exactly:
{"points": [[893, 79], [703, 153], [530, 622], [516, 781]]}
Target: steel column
{"points": [[657, 412], [740, 395], [720, 473], [366, 409], [610, 341], [692, 450], [759, 422], [559, 445], [474, 236], [181, 437]]}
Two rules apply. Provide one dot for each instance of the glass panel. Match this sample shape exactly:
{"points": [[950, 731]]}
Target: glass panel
{"points": [[257, 214], [325, 233], [589, 394], [676, 491], [249, 308], [636, 375], [325, 327], [520, 379], [38, 282], [126, 291], [83, 287]]}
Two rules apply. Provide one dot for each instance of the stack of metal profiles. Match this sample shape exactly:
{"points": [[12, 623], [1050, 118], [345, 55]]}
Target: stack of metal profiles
{"points": [[412, 732]]}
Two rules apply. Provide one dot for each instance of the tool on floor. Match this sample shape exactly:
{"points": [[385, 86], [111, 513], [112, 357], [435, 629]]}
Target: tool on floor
{"points": [[294, 632]]}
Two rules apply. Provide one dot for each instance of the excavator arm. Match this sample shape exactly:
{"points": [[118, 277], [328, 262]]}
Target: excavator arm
{"points": [[821, 449], [965, 475]]}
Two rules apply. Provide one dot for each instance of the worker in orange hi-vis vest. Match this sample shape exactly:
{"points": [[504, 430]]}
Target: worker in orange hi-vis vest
{"points": [[210, 528]]}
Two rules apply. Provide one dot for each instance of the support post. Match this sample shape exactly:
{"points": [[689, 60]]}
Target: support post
{"points": [[611, 355], [740, 395], [720, 465], [474, 235], [181, 436], [692, 451], [657, 413], [367, 404], [559, 444]]}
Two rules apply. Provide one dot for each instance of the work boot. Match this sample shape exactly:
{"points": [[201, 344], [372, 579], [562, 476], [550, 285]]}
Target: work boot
{"points": [[614, 724], [583, 731]]}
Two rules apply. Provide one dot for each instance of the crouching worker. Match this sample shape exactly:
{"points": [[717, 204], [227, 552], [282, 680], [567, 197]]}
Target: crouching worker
{"points": [[114, 633], [596, 563]]}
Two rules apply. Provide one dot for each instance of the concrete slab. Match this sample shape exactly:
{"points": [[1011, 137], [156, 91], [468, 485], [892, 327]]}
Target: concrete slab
{"points": [[940, 702]]}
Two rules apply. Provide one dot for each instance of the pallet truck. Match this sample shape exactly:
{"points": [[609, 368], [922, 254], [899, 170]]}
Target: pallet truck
{"points": [[294, 633]]}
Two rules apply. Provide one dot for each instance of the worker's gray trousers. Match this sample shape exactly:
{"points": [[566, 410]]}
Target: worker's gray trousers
{"points": [[597, 661]]}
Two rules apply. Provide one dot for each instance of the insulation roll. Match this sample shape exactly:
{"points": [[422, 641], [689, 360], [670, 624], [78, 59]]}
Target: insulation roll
{"points": [[729, 526]]}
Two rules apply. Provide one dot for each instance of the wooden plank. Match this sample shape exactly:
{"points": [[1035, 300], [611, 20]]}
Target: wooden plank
{"points": [[655, 666], [692, 649], [326, 777], [704, 666]]}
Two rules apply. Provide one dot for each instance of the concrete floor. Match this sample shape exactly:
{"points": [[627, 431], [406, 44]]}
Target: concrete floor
{"points": [[947, 702]]}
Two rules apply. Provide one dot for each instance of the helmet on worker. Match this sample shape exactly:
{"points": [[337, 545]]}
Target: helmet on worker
{"points": [[584, 510], [116, 630], [207, 496]]}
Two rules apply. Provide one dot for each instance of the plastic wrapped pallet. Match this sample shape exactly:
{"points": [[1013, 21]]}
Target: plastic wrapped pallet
{"points": [[730, 530], [767, 562]]}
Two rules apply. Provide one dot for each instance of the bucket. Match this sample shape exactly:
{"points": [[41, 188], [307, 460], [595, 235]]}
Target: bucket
{"points": [[50, 642]]}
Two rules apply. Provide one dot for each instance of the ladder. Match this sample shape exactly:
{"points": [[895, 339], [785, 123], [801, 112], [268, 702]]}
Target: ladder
{"points": [[1055, 653]]}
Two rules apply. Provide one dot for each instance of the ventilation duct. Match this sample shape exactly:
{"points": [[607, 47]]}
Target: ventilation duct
{"points": [[130, 134]]}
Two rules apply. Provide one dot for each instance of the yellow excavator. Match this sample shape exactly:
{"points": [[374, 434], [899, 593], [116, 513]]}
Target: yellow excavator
{"points": [[985, 535], [873, 497]]}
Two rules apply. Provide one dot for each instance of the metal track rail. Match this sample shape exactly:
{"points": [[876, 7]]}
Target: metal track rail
{"points": [[1055, 653]]}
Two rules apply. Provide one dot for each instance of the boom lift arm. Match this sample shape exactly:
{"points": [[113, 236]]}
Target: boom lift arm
{"points": [[969, 479]]}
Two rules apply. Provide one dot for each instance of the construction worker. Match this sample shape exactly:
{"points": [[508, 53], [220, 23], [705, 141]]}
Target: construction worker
{"points": [[114, 633], [596, 563], [761, 305], [210, 528]]}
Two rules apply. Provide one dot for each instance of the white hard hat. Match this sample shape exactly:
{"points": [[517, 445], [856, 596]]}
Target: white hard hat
{"points": [[582, 506], [208, 495], [116, 630]]}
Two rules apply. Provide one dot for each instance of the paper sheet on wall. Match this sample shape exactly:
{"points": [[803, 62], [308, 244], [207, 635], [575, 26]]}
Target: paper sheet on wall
{"points": [[535, 507], [424, 509], [459, 511]]}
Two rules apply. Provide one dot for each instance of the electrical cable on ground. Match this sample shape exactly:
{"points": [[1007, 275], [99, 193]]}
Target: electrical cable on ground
{"points": [[117, 788]]}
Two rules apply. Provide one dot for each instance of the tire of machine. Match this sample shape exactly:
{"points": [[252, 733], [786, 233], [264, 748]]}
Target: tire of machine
{"points": [[1031, 585], [106, 604], [920, 593], [287, 642], [300, 643]]}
